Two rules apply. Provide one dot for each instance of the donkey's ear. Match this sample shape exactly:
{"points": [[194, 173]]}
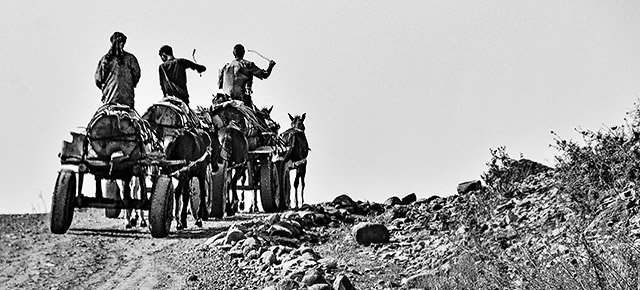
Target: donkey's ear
{"points": [[291, 118], [270, 109], [304, 115]]}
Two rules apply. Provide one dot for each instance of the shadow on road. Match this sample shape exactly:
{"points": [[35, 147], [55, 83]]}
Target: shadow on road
{"points": [[209, 229]]}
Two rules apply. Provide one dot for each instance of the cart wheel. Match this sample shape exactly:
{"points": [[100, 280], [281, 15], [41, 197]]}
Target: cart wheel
{"points": [[62, 202], [219, 191], [268, 186], [194, 190], [161, 207], [113, 192]]}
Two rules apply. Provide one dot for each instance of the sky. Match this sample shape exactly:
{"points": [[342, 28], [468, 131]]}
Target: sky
{"points": [[400, 96]]}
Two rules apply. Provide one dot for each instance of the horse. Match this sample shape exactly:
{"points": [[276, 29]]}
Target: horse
{"points": [[296, 157], [183, 140]]}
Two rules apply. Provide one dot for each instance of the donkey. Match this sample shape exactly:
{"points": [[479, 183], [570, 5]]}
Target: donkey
{"points": [[296, 157], [231, 127], [192, 146], [183, 142]]}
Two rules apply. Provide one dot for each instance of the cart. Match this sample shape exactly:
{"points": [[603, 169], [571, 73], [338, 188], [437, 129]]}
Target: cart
{"points": [[264, 171], [127, 157]]}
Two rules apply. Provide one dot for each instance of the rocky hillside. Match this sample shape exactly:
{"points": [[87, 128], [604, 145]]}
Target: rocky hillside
{"points": [[526, 235]]}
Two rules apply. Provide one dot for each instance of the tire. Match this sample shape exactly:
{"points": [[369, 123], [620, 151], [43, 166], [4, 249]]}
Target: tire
{"points": [[62, 203], [161, 207], [219, 191], [112, 192], [268, 187]]}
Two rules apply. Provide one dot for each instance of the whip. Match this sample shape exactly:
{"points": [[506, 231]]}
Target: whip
{"points": [[262, 56], [193, 54]]}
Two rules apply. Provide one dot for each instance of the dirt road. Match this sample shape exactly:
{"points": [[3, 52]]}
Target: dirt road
{"points": [[99, 253]]}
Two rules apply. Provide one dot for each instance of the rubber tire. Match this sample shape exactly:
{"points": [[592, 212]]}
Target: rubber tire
{"points": [[62, 204], [219, 191], [161, 207], [268, 187], [112, 191]]}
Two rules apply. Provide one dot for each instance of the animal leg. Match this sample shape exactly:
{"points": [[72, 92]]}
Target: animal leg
{"points": [[185, 204], [243, 179], [131, 222], [202, 211], [98, 187], [142, 191], [296, 182], [178, 206], [303, 173], [254, 206]]}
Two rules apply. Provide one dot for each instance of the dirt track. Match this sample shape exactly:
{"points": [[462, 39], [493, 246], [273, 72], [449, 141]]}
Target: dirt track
{"points": [[99, 253]]}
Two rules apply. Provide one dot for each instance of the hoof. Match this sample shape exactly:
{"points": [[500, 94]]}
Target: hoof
{"points": [[241, 206], [143, 224], [128, 226], [199, 223]]}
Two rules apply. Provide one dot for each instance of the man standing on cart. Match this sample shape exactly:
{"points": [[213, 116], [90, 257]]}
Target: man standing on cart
{"points": [[173, 77], [236, 77], [118, 73]]}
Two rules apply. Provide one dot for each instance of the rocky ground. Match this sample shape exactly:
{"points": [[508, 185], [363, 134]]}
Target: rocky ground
{"points": [[403, 243]]}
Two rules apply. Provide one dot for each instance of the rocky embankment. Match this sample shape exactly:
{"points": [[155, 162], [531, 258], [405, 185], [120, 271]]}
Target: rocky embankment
{"points": [[418, 240]]}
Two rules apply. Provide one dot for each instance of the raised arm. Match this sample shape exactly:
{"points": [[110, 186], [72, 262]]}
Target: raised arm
{"points": [[261, 73]]}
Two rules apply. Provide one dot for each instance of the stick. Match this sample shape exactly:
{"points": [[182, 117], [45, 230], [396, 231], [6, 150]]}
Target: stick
{"points": [[193, 54]]}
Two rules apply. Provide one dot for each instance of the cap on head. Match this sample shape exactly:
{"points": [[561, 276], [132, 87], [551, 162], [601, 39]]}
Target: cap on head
{"points": [[119, 37], [238, 51], [166, 50]]}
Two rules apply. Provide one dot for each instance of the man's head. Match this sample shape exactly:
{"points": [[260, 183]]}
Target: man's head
{"points": [[166, 52], [118, 39], [238, 51]]}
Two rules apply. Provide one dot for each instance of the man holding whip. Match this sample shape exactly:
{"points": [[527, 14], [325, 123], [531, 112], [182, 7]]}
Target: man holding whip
{"points": [[236, 77]]}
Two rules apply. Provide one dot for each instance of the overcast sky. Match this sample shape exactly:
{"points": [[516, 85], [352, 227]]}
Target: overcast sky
{"points": [[400, 96]]}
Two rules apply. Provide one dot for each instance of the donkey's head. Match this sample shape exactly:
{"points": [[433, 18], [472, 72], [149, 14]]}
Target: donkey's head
{"points": [[297, 122]]}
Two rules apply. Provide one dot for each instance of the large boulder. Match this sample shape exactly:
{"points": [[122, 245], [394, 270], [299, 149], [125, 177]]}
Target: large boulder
{"points": [[409, 199], [367, 233], [469, 186]]}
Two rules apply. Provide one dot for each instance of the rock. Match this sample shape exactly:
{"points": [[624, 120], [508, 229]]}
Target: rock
{"points": [[469, 186], [343, 200], [234, 235], [421, 281], [211, 240], [313, 276], [287, 284], [250, 242], [366, 233], [328, 263], [410, 198], [320, 287], [392, 201], [268, 257], [342, 283], [280, 230], [274, 218]]}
